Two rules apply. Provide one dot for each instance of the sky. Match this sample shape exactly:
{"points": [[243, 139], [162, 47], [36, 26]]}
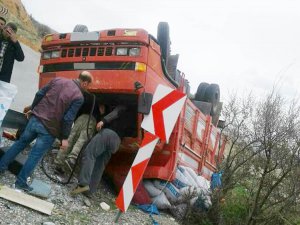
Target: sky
{"points": [[244, 46]]}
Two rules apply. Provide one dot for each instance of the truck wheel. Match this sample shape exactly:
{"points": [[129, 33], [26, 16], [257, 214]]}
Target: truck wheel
{"points": [[199, 96], [212, 95], [80, 28], [163, 38]]}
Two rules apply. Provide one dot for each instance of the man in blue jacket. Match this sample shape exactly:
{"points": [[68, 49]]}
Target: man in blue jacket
{"points": [[53, 111], [10, 50]]}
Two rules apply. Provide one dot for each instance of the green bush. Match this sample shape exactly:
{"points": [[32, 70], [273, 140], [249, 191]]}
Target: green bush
{"points": [[235, 208]]}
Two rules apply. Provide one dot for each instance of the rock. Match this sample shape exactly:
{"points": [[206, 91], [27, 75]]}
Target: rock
{"points": [[87, 202], [48, 223], [104, 206]]}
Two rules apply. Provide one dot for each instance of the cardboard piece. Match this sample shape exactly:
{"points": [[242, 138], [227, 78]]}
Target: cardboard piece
{"points": [[40, 189]]}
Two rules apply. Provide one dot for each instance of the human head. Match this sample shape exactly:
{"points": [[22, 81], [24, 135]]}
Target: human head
{"points": [[85, 79], [9, 28], [2, 23], [101, 108], [12, 25]]}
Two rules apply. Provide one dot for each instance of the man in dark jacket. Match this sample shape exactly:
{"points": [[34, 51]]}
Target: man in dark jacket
{"points": [[10, 50], [99, 150], [53, 111]]}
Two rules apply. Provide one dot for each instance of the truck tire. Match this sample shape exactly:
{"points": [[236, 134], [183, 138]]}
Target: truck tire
{"points": [[212, 95], [80, 28], [163, 38], [199, 96]]}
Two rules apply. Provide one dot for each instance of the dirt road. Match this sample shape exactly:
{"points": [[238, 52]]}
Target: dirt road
{"points": [[25, 76]]}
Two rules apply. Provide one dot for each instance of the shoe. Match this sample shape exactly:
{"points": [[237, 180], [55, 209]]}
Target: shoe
{"points": [[69, 164], [23, 187], [88, 194], [80, 189]]}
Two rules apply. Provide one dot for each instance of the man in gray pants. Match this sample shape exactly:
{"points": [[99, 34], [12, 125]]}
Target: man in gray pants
{"points": [[98, 153]]}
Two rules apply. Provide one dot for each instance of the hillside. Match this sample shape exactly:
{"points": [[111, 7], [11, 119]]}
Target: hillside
{"points": [[30, 31]]}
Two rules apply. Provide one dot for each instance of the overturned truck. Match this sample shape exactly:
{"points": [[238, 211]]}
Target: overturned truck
{"points": [[127, 66]]}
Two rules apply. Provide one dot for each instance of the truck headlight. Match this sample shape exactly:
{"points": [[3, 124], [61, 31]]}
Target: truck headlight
{"points": [[46, 55], [55, 54], [122, 51], [134, 51]]}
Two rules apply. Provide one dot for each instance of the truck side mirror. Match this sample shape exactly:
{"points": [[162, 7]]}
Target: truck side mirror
{"points": [[144, 103]]}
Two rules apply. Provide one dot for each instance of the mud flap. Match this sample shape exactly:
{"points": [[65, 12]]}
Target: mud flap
{"points": [[144, 103]]}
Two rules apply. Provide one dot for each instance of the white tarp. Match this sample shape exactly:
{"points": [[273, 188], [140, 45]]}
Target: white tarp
{"points": [[7, 93]]}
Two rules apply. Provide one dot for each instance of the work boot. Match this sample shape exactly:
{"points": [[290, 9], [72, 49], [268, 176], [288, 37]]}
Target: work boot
{"points": [[80, 189], [88, 194]]}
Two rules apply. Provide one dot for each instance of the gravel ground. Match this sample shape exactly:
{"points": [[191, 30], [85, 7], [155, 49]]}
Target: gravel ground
{"points": [[72, 210]]}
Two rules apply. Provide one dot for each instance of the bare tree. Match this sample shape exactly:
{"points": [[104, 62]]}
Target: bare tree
{"points": [[277, 132], [262, 157]]}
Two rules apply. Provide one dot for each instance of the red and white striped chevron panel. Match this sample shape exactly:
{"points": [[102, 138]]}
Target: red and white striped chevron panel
{"points": [[136, 171], [166, 106]]}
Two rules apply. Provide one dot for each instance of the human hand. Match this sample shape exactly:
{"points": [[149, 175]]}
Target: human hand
{"points": [[64, 144], [11, 34], [28, 114], [26, 108], [99, 125]]}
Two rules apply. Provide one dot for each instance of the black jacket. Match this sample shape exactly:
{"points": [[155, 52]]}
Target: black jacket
{"points": [[87, 106], [114, 120], [12, 53]]}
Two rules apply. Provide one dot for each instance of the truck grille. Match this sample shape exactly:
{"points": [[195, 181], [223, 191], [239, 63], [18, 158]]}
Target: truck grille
{"points": [[78, 52]]}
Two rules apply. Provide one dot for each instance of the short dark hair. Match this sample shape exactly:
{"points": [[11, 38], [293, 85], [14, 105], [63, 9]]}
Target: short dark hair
{"points": [[3, 19], [85, 76], [13, 26]]}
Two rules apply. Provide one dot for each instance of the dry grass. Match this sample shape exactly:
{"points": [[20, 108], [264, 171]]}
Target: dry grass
{"points": [[27, 32]]}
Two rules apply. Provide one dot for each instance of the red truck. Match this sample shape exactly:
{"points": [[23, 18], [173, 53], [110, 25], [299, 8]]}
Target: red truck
{"points": [[127, 65]]}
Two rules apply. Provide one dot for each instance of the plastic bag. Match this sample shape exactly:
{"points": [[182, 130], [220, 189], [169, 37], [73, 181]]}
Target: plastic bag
{"points": [[7, 93], [169, 189], [188, 176], [152, 190], [161, 201], [180, 180]]}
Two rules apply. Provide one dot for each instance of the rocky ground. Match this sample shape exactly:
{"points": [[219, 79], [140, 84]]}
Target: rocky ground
{"points": [[72, 210]]}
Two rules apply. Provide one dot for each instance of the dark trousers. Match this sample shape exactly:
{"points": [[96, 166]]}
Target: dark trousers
{"points": [[96, 156]]}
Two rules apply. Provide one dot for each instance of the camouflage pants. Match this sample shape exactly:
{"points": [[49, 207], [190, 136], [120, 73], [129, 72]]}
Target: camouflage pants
{"points": [[78, 137]]}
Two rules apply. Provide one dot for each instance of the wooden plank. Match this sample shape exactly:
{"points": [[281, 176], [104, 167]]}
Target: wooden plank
{"points": [[26, 200]]}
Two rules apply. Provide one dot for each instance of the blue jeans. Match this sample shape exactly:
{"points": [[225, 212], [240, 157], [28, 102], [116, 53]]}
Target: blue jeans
{"points": [[44, 140]]}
